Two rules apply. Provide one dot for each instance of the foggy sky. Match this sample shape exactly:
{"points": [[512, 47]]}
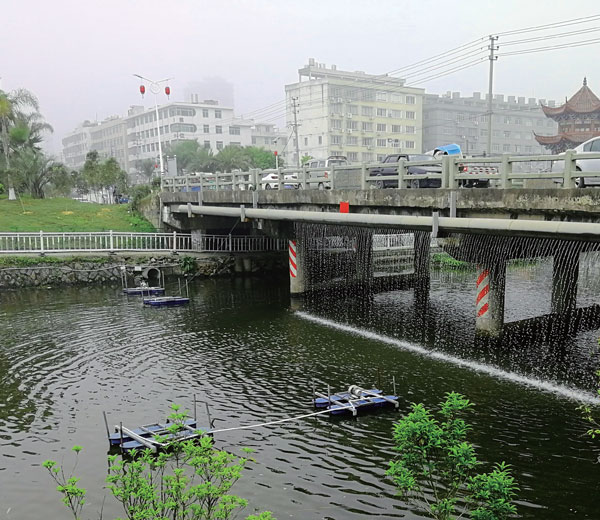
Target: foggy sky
{"points": [[78, 56]]}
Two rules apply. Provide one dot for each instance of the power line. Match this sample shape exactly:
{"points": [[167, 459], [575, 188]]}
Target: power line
{"points": [[564, 23], [582, 43], [550, 36]]}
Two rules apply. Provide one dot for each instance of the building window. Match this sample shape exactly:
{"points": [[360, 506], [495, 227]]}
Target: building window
{"points": [[219, 129], [506, 120], [367, 141], [396, 98], [353, 109], [411, 130], [411, 100], [381, 112], [353, 156], [507, 135], [410, 114], [410, 145], [367, 157], [320, 139], [218, 114], [517, 148], [205, 112], [352, 140], [336, 139], [367, 111], [336, 124], [253, 140], [336, 108], [381, 143], [381, 96], [381, 127], [506, 148], [352, 125], [234, 130], [207, 144], [206, 129], [235, 143], [367, 127], [306, 141], [495, 147], [397, 129], [219, 145]]}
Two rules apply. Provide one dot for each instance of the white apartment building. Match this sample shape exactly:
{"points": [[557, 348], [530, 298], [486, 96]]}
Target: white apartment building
{"points": [[76, 145], [109, 139], [362, 116], [212, 125], [269, 137]]}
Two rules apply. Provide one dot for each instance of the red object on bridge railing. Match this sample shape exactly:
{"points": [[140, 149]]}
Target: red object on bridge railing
{"points": [[344, 207]]}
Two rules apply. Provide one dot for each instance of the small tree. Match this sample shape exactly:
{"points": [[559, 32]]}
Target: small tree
{"points": [[436, 467], [191, 482]]}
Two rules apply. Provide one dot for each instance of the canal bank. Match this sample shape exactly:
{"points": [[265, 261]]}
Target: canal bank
{"points": [[93, 269]]}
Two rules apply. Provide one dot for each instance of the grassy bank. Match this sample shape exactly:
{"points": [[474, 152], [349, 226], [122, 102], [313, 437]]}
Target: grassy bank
{"points": [[62, 214]]}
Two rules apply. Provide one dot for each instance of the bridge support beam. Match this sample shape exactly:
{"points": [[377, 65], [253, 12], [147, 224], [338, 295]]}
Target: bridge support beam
{"points": [[491, 284], [297, 256], [565, 275]]}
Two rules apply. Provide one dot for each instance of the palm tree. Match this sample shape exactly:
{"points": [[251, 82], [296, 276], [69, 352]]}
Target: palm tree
{"points": [[233, 158], [34, 170], [12, 108]]}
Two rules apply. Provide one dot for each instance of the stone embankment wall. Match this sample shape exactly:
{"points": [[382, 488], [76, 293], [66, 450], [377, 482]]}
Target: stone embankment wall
{"points": [[82, 271]]}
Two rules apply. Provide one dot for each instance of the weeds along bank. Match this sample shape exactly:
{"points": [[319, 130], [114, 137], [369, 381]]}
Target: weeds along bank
{"points": [[17, 272]]}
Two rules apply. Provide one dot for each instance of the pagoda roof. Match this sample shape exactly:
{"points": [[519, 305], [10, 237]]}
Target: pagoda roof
{"points": [[570, 138], [584, 101]]}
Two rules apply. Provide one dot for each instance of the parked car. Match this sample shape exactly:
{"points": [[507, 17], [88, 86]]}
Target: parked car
{"points": [[391, 168], [587, 165], [332, 160], [290, 180]]}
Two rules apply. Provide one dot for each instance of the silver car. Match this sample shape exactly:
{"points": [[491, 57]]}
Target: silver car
{"points": [[587, 165]]}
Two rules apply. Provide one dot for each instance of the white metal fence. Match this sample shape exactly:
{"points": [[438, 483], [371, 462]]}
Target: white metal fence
{"points": [[112, 241], [449, 171]]}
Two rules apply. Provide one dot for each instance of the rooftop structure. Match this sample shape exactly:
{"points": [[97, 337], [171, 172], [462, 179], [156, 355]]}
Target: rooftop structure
{"points": [[578, 120]]}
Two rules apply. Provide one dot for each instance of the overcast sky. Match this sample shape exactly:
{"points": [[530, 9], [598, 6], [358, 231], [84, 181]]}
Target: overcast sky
{"points": [[78, 56]]}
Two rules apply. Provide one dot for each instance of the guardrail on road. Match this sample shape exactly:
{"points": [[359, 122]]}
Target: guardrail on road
{"points": [[358, 176]]}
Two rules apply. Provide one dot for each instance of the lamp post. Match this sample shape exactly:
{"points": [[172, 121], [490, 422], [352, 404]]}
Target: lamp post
{"points": [[155, 89]]}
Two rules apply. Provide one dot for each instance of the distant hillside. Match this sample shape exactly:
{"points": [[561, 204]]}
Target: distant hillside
{"points": [[62, 214]]}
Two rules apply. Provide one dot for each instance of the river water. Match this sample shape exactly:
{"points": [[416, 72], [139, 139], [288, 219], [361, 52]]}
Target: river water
{"points": [[68, 354]]}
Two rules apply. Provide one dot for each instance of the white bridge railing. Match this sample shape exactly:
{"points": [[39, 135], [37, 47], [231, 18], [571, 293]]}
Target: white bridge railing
{"points": [[113, 241], [449, 171]]}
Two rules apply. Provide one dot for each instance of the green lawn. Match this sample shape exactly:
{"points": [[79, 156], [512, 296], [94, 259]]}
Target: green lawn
{"points": [[63, 214]]}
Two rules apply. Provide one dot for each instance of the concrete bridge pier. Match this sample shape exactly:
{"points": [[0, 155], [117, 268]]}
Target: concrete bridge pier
{"points": [[565, 275], [491, 284], [297, 257]]}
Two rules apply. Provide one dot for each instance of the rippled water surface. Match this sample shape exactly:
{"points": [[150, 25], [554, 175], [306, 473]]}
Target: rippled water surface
{"points": [[66, 355]]}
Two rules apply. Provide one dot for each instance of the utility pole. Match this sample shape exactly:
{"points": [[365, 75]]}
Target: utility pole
{"points": [[294, 99], [492, 47]]}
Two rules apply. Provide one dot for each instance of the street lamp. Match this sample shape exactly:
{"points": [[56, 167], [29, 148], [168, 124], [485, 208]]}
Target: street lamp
{"points": [[155, 89]]}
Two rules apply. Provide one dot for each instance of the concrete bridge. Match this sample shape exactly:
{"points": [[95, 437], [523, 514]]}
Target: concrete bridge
{"points": [[487, 227]]}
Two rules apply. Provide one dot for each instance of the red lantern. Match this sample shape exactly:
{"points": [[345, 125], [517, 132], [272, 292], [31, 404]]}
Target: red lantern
{"points": [[142, 90], [168, 90], [275, 152]]}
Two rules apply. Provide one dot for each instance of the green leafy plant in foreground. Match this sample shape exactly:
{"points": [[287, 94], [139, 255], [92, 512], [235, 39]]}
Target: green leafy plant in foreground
{"points": [[436, 468], [190, 482], [592, 414]]}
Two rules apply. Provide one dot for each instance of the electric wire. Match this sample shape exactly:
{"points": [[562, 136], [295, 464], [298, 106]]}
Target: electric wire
{"points": [[564, 23]]}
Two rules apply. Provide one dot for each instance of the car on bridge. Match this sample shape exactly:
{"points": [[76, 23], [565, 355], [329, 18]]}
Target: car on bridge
{"points": [[390, 167], [587, 165]]}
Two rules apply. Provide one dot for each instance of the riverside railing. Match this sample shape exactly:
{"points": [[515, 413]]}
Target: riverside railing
{"points": [[451, 172], [113, 241]]}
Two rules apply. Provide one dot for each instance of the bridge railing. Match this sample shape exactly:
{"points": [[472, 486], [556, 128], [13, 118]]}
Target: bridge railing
{"points": [[112, 241], [505, 171]]}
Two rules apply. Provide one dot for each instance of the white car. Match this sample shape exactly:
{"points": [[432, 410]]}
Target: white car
{"points": [[290, 180], [587, 165]]}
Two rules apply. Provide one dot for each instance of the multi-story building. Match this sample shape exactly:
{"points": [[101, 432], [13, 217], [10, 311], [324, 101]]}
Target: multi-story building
{"points": [[269, 137], [212, 125], [362, 116], [76, 145], [452, 118], [109, 139]]}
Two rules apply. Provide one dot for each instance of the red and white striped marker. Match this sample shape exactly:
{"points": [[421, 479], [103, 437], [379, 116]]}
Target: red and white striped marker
{"points": [[293, 266], [483, 290]]}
